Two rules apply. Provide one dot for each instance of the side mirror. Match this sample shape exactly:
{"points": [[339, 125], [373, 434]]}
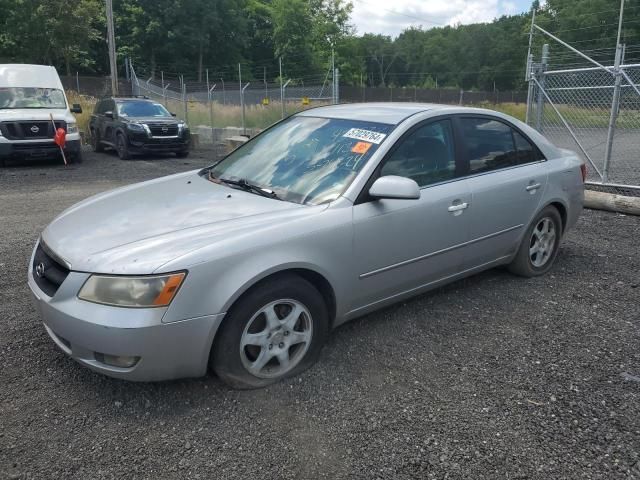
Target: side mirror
{"points": [[392, 186], [173, 114], [109, 114], [76, 108]]}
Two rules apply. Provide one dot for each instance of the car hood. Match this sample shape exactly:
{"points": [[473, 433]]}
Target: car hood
{"points": [[35, 114], [139, 228]]}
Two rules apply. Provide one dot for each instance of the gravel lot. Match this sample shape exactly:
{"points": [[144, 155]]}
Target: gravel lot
{"points": [[491, 377]]}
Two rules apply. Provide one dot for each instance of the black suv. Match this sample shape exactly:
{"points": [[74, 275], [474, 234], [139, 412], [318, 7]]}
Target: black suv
{"points": [[136, 124]]}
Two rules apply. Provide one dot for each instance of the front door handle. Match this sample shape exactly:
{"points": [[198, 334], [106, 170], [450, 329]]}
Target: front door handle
{"points": [[533, 186], [457, 207]]}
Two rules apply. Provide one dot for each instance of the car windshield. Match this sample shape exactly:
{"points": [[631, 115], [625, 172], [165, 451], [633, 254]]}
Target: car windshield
{"points": [[142, 109], [28, 97], [307, 160]]}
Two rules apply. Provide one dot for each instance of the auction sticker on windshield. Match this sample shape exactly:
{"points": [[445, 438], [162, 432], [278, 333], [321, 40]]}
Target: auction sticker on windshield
{"points": [[366, 135]]}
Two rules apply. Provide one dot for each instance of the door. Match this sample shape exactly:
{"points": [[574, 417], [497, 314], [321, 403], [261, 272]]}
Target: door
{"points": [[109, 123], [506, 177], [401, 245]]}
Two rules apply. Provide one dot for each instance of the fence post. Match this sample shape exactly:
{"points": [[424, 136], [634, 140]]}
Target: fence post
{"points": [[283, 97], [615, 105], [78, 83], [337, 85], [461, 97], [184, 99], [542, 73]]}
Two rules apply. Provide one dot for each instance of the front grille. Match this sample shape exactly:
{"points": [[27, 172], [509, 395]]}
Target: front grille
{"points": [[30, 130], [47, 272], [36, 146], [163, 129]]}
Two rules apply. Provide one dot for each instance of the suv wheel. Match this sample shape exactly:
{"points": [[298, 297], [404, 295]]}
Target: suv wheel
{"points": [[276, 330], [96, 145], [182, 154], [122, 148]]}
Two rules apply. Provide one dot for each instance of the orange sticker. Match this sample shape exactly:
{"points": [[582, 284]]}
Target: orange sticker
{"points": [[361, 147]]}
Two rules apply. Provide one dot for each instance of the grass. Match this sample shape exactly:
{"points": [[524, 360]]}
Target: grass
{"points": [[259, 116]]}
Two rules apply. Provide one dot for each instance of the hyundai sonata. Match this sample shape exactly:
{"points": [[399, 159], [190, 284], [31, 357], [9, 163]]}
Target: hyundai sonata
{"points": [[245, 266]]}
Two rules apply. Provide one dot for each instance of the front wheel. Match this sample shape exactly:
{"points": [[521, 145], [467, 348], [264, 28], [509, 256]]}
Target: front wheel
{"points": [[539, 246], [122, 148], [276, 330], [96, 144]]}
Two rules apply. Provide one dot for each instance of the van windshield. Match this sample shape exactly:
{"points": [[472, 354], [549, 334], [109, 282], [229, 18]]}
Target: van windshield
{"points": [[29, 97]]}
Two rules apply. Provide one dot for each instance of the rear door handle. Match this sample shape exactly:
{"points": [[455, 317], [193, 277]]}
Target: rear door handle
{"points": [[534, 186], [458, 206]]}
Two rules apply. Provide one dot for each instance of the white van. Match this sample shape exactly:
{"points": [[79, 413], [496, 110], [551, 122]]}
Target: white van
{"points": [[28, 95]]}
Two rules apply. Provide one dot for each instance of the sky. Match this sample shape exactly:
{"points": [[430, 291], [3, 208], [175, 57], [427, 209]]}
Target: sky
{"points": [[390, 17]]}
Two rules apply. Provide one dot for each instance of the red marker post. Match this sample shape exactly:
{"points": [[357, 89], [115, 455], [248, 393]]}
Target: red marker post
{"points": [[60, 138]]}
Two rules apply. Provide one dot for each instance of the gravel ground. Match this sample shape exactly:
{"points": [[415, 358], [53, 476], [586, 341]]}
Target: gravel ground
{"points": [[491, 377]]}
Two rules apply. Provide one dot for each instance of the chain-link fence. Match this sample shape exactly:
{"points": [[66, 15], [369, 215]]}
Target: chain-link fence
{"points": [[594, 111], [217, 110]]}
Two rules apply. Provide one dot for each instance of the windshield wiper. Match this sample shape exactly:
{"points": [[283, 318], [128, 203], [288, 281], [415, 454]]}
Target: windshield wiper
{"points": [[246, 186]]}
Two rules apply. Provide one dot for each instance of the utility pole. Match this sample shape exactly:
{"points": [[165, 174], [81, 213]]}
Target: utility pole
{"points": [[333, 74], [112, 48], [264, 79]]}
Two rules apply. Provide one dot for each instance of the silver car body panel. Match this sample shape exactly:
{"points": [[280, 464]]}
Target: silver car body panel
{"points": [[371, 254]]}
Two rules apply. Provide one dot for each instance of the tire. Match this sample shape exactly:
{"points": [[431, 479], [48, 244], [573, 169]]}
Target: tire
{"points": [[544, 233], [76, 157], [122, 148], [182, 154], [298, 336], [96, 145]]}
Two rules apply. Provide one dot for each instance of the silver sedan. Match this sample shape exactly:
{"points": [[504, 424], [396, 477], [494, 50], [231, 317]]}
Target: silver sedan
{"points": [[245, 266]]}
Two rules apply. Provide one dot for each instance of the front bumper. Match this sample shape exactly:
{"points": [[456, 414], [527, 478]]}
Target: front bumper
{"points": [[84, 330], [33, 149], [142, 143]]}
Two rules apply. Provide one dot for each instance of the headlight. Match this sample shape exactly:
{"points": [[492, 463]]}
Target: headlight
{"points": [[183, 126], [136, 127], [125, 291], [72, 128]]}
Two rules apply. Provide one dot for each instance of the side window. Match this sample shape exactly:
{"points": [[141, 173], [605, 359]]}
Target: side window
{"points": [[527, 153], [489, 144], [99, 107], [426, 155]]}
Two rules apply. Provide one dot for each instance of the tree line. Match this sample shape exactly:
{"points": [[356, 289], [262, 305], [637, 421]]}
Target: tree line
{"points": [[193, 36]]}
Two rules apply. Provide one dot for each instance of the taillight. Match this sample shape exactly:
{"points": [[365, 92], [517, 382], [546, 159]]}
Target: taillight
{"points": [[583, 170]]}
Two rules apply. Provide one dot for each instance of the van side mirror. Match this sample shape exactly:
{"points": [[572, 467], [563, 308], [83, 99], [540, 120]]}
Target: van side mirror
{"points": [[392, 186], [109, 114], [173, 114], [76, 108]]}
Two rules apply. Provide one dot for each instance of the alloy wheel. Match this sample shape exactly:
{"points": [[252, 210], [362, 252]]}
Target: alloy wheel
{"points": [[543, 242], [276, 338]]}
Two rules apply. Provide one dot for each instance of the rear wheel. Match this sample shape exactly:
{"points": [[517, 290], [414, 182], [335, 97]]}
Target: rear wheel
{"points": [[276, 330], [539, 246], [182, 154], [122, 148]]}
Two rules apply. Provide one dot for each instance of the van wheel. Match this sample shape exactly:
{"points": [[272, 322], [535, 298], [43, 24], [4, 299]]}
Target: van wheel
{"points": [[122, 147], [539, 246], [274, 331], [76, 157]]}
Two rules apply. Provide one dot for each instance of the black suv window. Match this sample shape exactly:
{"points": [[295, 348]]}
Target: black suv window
{"points": [[133, 108], [99, 107], [426, 155]]}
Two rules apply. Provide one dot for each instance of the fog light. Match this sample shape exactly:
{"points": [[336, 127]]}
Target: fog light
{"points": [[121, 361]]}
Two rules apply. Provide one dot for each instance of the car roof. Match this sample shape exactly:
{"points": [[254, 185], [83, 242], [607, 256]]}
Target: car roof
{"points": [[383, 112]]}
